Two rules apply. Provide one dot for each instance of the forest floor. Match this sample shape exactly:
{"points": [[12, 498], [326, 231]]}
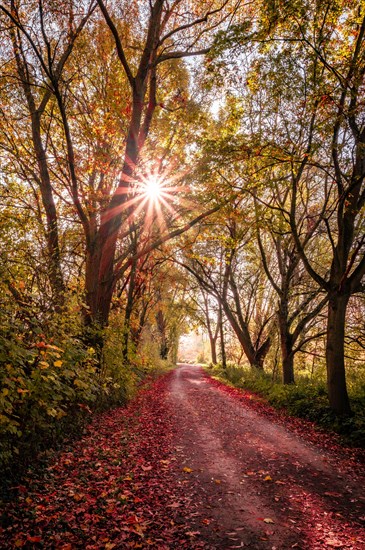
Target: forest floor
{"points": [[191, 463]]}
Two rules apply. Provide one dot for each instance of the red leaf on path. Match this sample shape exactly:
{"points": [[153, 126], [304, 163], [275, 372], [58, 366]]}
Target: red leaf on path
{"points": [[132, 519], [174, 505], [334, 543], [34, 539]]}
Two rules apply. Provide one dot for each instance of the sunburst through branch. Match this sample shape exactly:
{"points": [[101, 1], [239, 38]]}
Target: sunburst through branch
{"points": [[154, 197]]}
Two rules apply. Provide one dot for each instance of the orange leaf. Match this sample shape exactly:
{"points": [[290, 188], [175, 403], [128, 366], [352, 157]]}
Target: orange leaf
{"points": [[34, 539]]}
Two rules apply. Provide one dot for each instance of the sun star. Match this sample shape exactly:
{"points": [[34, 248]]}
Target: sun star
{"points": [[153, 189]]}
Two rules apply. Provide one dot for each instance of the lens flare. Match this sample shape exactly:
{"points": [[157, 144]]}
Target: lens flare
{"points": [[153, 189]]}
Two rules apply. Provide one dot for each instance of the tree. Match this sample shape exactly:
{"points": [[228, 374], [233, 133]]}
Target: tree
{"points": [[341, 100], [299, 301], [313, 62], [223, 264], [35, 73], [171, 32]]}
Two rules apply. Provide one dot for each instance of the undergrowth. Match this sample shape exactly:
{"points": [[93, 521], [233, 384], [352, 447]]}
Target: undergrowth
{"points": [[50, 388], [306, 399]]}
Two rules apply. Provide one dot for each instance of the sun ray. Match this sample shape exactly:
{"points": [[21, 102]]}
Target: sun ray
{"points": [[152, 199]]}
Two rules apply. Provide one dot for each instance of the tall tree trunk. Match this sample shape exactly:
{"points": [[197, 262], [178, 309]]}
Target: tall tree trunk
{"points": [[43, 176], [221, 334], [161, 325], [288, 366], [213, 336], [128, 312], [335, 354], [143, 83], [286, 345], [93, 255], [213, 348], [255, 357]]}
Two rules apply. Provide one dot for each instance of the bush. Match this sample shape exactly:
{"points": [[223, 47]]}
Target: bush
{"points": [[47, 390]]}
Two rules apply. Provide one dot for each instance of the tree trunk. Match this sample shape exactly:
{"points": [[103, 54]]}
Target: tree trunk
{"points": [[260, 354], [213, 336], [286, 345], [221, 334], [288, 366], [43, 177], [335, 354], [161, 325], [213, 349], [93, 255], [55, 272], [128, 312]]}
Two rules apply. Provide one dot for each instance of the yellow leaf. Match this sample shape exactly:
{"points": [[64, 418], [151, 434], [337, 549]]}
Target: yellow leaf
{"points": [[58, 363], [5, 392], [187, 470], [43, 364], [267, 478]]}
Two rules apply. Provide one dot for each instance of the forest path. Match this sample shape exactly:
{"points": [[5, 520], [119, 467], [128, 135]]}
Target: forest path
{"points": [[264, 485], [191, 464]]}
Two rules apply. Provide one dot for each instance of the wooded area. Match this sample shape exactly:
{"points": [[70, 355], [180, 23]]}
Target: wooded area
{"points": [[169, 165]]}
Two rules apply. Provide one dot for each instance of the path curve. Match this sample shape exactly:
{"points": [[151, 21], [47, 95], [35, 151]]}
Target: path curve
{"points": [[262, 486]]}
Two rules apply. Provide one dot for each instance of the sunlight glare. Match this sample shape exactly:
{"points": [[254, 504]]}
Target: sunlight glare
{"points": [[153, 189]]}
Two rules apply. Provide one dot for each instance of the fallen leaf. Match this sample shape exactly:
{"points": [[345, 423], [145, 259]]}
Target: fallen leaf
{"points": [[269, 520], [187, 470], [334, 543], [34, 539]]}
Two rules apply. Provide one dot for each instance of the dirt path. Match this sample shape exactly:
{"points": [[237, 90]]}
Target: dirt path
{"points": [[264, 486], [191, 464]]}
